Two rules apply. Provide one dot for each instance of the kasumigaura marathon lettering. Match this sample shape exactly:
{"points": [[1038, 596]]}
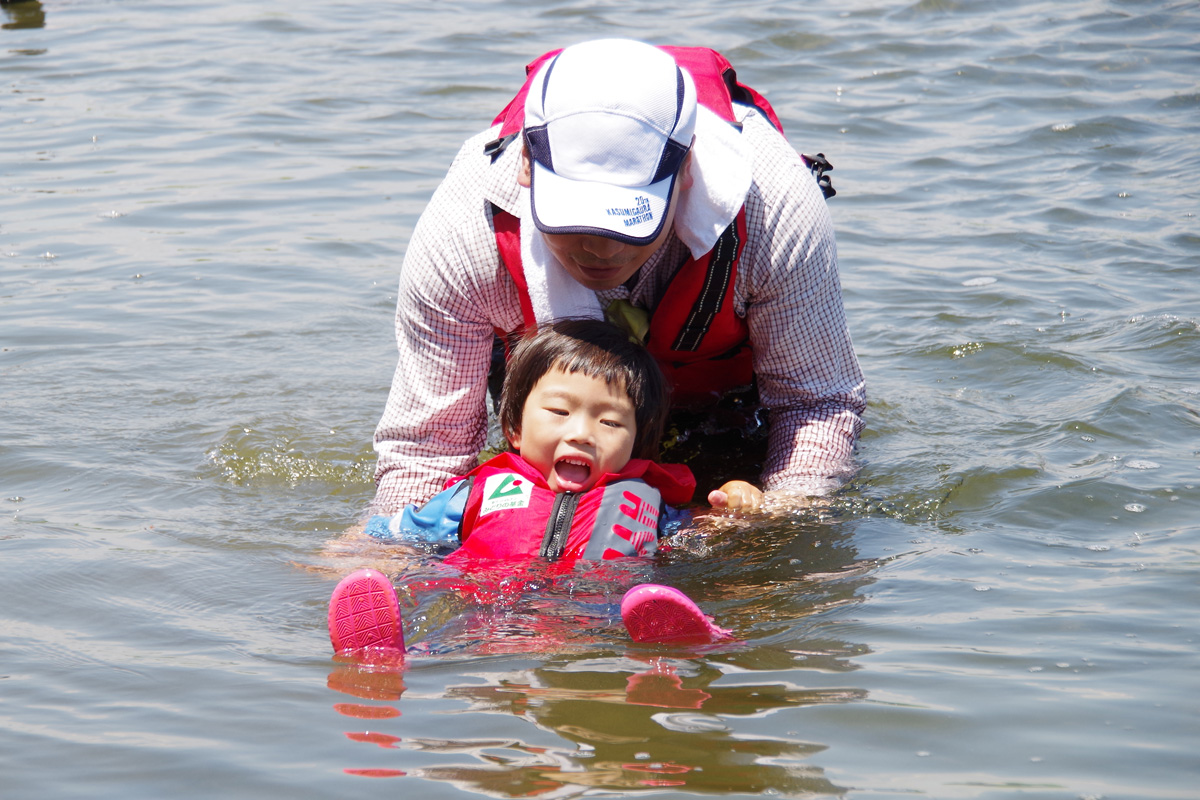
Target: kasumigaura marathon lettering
{"points": [[633, 216]]}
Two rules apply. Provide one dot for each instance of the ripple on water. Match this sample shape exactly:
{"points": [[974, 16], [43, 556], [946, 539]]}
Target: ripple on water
{"points": [[275, 455]]}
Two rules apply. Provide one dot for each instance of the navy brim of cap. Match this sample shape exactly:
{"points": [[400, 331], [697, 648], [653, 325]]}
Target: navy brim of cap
{"points": [[631, 215]]}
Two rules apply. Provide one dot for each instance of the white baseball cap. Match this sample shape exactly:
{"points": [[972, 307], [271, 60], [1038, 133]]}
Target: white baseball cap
{"points": [[608, 124]]}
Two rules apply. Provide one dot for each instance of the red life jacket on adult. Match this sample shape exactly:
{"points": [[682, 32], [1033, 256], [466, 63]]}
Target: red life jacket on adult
{"points": [[702, 346], [513, 514]]}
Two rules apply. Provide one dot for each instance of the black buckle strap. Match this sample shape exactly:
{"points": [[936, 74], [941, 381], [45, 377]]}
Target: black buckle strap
{"points": [[495, 147], [819, 165]]}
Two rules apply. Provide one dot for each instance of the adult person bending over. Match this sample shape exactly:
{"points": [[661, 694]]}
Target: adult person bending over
{"points": [[632, 186]]}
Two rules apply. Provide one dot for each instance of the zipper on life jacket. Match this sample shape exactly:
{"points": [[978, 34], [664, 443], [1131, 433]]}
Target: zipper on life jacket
{"points": [[559, 525]]}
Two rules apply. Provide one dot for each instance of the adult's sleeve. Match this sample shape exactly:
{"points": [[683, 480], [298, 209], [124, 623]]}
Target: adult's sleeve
{"points": [[808, 374], [435, 422]]}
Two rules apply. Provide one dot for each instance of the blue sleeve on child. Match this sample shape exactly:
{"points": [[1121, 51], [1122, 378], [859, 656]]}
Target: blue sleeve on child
{"points": [[436, 522], [672, 519]]}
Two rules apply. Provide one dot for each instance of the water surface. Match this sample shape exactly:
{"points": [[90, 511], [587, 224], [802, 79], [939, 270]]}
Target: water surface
{"points": [[203, 211]]}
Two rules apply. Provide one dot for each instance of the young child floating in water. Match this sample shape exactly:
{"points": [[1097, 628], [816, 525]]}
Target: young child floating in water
{"points": [[584, 407]]}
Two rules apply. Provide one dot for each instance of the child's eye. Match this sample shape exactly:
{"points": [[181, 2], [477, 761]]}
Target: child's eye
{"points": [[612, 423], [562, 412]]}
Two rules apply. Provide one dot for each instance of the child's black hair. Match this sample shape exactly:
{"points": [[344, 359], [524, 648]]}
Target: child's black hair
{"points": [[598, 349]]}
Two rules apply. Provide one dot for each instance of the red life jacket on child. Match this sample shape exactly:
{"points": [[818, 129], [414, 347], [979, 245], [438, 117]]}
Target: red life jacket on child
{"points": [[700, 343], [513, 514]]}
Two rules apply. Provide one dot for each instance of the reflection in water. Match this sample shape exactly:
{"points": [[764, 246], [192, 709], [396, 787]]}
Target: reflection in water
{"points": [[629, 718], [385, 740], [628, 724], [661, 686], [361, 711], [23, 14], [376, 773], [379, 678]]}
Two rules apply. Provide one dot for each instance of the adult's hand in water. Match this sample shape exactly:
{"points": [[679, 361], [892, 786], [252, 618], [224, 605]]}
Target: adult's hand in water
{"points": [[736, 496]]}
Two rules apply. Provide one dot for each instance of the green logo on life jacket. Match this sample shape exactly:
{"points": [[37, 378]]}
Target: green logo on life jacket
{"points": [[505, 490], [509, 486]]}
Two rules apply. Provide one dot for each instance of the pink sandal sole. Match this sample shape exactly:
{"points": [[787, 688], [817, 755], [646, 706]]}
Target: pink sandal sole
{"points": [[654, 613], [363, 612]]}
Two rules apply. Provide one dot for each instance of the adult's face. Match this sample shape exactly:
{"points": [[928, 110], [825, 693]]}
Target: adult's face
{"points": [[601, 263], [598, 262]]}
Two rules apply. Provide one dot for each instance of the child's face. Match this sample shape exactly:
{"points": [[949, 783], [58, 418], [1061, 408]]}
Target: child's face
{"points": [[575, 428]]}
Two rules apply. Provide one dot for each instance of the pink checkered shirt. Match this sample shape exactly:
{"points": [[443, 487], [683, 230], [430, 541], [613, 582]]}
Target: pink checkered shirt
{"points": [[454, 293]]}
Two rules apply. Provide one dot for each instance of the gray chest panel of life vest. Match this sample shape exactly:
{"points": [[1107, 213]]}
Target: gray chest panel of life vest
{"points": [[626, 521]]}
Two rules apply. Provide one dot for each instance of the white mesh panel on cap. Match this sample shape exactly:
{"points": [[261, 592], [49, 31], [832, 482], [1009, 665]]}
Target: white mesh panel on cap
{"points": [[610, 149], [615, 75], [609, 107]]}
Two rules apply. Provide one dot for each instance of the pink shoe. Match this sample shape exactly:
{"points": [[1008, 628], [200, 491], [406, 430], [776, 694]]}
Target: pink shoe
{"points": [[654, 613], [363, 612]]}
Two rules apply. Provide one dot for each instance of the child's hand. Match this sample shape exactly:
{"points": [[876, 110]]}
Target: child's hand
{"points": [[736, 496]]}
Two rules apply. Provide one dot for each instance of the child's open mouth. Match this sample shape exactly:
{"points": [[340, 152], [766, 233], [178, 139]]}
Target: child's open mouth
{"points": [[571, 474]]}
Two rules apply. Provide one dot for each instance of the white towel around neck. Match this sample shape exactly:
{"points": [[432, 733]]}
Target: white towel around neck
{"points": [[720, 173]]}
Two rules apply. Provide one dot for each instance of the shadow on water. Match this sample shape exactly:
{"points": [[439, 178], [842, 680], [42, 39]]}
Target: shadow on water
{"points": [[546, 647], [22, 14]]}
